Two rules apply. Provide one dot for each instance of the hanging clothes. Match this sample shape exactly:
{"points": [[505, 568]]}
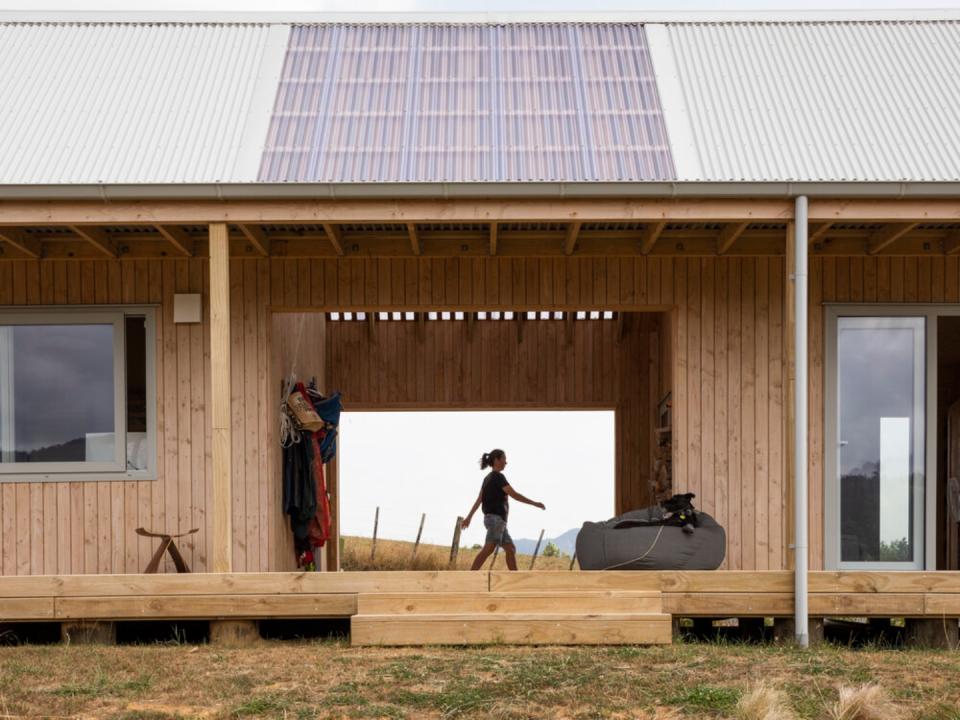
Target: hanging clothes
{"points": [[305, 451]]}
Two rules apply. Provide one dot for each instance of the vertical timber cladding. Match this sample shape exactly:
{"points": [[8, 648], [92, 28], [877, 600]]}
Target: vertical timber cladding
{"points": [[727, 327], [513, 364]]}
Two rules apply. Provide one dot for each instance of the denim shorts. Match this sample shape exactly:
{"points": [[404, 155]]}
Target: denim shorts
{"points": [[496, 530]]}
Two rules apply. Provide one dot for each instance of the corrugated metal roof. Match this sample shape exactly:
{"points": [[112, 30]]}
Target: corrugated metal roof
{"points": [[433, 103], [819, 101], [129, 103]]}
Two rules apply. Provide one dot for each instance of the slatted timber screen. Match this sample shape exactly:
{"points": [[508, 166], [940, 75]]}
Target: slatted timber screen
{"points": [[727, 374], [512, 364]]}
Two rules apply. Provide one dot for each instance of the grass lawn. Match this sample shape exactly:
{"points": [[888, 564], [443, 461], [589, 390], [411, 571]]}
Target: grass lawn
{"points": [[328, 679]]}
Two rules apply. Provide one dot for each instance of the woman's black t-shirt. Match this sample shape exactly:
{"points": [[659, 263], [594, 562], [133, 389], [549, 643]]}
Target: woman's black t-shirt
{"points": [[492, 494]]}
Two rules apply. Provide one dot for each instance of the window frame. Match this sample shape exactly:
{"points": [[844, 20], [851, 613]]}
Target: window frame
{"points": [[116, 316]]}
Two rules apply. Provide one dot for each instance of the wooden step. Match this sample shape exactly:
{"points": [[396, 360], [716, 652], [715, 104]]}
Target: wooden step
{"points": [[509, 602], [512, 629]]}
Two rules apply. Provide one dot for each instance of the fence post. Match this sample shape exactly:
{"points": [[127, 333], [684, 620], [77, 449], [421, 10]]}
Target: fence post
{"points": [[536, 550], [416, 544], [376, 521], [455, 545], [573, 559]]}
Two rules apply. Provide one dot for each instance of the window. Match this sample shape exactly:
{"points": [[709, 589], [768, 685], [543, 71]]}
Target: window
{"points": [[77, 395]]}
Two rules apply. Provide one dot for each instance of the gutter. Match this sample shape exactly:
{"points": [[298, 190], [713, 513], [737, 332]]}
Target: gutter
{"points": [[545, 190]]}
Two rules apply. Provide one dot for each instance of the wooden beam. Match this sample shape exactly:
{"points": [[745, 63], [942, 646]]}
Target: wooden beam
{"points": [[371, 320], [885, 210], [98, 239], [254, 234], [570, 316], [819, 232], [178, 238], [335, 236], [21, 242], [650, 235], [951, 244], [403, 211], [570, 243], [414, 238], [494, 230], [887, 236], [729, 235], [220, 396]]}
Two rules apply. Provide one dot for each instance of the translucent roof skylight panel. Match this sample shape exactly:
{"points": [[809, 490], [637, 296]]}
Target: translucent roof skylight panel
{"points": [[543, 138], [622, 105], [451, 134], [300, 104], [369, 106]]}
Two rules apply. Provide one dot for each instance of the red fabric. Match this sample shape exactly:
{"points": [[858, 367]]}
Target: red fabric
{"points": [[319, 529]]}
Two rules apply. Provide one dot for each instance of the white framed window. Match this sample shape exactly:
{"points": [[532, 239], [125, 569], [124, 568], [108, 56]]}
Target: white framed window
{"points": [[77, 394]]}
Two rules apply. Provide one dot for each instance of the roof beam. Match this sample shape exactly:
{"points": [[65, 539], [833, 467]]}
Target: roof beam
{"points": [[729, 235], [651, 233], [178, 238], [570, 243], [494, 231], [335, 236], [819, 232], [887, 236], [21, 242], [414, 238], [254, 235], [98, 239]]}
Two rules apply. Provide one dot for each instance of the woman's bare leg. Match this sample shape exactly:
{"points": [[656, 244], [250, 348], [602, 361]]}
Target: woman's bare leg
{"points": [[511, 553]]}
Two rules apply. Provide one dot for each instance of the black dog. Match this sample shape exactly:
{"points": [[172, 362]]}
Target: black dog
{"points": [[681, 512]]}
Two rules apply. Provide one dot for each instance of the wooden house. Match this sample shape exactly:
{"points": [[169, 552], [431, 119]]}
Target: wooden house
{"points": [[190, 207]]}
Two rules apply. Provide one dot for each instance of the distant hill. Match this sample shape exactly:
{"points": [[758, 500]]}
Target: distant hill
{"points": [[566, 542]]}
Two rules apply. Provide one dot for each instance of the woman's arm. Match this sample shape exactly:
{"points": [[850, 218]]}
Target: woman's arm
{"points": [[466, 520], [520, 498]]}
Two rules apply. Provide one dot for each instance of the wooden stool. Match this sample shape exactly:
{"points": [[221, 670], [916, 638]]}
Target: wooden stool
{"points": [[166, 543]]}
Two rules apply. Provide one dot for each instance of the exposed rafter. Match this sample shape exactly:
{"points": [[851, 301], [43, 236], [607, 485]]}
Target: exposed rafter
{"points": [[887, 236], [21, 242], [573, 231], [98, 239], [254, 235], [494, 230], [335, 236], [414, 238], [178, 238], [819, 232], [729, 235], [650, 235]]}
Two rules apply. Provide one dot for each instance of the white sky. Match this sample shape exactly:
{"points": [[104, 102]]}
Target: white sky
{"points": [[410, 463], [467, 5]]}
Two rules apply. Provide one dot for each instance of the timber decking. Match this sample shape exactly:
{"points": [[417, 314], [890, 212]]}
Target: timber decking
{"points": [[52, 598], [539, 618]]}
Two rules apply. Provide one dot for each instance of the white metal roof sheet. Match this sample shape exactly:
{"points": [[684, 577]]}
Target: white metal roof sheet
{"points": [[88, 103], [876, 101]]}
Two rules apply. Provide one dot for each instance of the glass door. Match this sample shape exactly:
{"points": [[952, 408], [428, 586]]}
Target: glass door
{"points": [[875, 499]]}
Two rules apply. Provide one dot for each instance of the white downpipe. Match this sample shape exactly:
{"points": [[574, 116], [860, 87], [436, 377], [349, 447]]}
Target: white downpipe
{"points": [[801, 617]]}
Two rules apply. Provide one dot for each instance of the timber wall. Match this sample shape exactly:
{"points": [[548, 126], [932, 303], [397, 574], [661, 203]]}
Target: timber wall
{"points": [[728, 379]]}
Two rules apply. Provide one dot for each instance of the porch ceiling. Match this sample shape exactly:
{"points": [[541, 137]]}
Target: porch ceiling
{"points": [[474, 239]]}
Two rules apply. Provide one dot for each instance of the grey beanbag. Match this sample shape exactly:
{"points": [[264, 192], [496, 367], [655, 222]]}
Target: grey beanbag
{"points": [[642, 543]]}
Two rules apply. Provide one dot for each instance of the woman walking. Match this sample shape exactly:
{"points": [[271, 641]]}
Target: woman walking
{"points": [[493, 497]]}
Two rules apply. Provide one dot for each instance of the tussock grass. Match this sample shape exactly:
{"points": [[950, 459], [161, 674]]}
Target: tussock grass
{"points": [[764, 703], [398, 555], [867, 702]]}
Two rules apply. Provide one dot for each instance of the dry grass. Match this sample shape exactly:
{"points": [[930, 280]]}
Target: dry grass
{"points": [[765, 703], [398, 555], [330, 680], [867, 702]]}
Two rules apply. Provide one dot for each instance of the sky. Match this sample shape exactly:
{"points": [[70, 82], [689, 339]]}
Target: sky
{"points": [[466, 5], [409, 463]]}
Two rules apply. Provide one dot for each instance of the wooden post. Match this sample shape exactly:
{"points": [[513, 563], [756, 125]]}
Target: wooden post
{"points": [[536, 550], [416, 543], [376, 521], [573, 559], [220, 396], [496, 551], [455, 545]]}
